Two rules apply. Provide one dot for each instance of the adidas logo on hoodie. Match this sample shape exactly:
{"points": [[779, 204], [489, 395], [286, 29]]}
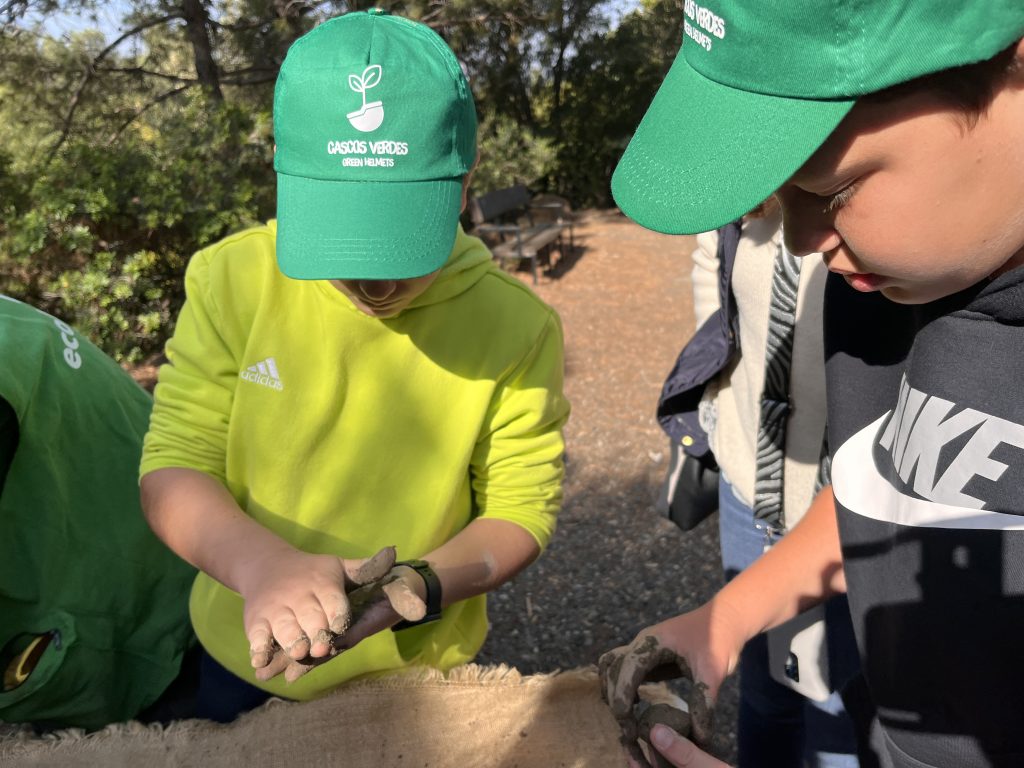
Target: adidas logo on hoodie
{"points": [[263, 373]]}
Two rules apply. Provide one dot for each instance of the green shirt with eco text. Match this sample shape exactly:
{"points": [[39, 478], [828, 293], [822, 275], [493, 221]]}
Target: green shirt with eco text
{"points": [[93, 607]]}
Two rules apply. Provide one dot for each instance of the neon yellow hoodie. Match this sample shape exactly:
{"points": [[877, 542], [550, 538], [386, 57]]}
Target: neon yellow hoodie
{"points": [[343, 433]]}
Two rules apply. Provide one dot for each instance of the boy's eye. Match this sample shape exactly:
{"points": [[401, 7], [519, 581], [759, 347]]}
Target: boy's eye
{"points": [[839, 199]]}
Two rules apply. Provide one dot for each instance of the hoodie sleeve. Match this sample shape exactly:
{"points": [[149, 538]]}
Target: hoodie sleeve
{"points": [[517, 467], [195, 389], [705, 277]]}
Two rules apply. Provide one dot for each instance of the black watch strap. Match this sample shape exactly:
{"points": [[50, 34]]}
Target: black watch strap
{"points": [[433, 585]]}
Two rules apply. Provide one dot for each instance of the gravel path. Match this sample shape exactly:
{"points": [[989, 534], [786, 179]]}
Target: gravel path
{"points": [[614, 566]]}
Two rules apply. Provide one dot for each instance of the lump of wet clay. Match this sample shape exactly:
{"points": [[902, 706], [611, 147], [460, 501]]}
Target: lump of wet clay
{"points": [[665, 714]]}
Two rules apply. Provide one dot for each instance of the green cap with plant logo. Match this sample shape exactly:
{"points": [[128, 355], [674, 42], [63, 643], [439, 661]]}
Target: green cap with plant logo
{"points": [[375, 129], [758, 86]]}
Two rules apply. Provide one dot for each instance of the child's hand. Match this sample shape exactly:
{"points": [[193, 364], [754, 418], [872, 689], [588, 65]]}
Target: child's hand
{"points": [[680, 752], [686, 646], [302, 610], [294, 599]]}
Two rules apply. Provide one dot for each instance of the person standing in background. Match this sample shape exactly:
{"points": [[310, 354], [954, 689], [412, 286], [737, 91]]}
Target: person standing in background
{"points": [[768, 479]]}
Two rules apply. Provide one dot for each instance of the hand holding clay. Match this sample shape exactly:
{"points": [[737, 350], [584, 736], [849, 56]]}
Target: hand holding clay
{"points": [[377, 596], [665, 715], [303, 609], [679, 752], [680, 647]]}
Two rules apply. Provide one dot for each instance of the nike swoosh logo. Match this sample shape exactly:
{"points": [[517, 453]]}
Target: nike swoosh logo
{"points": [[862, 489]]}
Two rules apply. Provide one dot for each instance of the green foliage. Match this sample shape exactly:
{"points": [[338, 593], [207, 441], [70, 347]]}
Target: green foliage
{"points": [[117, 162], [510, 155], [612, 81], [101, 237]]}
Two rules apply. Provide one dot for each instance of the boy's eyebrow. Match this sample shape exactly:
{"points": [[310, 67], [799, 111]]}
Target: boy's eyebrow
{"points": [[833, 160], [814, 181], [825, 178], [851, 150], [816, 172]]}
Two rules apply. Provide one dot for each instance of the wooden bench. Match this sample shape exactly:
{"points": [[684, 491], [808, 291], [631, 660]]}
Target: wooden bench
{"points": [[524, 227]]}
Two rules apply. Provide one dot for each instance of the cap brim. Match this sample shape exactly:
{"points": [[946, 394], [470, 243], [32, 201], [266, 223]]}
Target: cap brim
{"points": [[705, 153], [361, 230]]}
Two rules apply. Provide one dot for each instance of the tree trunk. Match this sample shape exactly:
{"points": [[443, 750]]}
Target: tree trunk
{"points": [[197, 27], [558, 72]]}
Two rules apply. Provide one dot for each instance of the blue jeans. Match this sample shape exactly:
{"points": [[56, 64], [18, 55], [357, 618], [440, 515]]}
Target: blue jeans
{"points": [[778, 727], [222, 695]]}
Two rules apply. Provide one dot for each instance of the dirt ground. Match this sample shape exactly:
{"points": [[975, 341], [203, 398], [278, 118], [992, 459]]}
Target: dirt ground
{"points": [[614, 566]]}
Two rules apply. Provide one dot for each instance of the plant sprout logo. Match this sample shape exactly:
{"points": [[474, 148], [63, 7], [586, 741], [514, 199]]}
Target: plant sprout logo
{"points": [[371, 115]]}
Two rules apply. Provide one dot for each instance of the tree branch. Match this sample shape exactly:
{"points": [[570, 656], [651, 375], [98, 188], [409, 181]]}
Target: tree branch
{"points": [[90, 70], [13, 10], [134, 31], [158, 100], [250, 70], [241, 27], [148, 73], [251, 81]]}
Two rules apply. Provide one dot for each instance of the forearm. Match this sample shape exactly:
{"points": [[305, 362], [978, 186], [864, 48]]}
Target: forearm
{"points": [[481, 557], [802, 570], [197, 518]]}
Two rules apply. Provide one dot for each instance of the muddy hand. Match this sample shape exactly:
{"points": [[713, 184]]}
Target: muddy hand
{"points": [[623, 670], [357, 574], [374, 606]]}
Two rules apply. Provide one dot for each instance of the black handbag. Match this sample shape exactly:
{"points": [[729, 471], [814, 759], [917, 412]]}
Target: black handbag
{"points": [[690, 491]]}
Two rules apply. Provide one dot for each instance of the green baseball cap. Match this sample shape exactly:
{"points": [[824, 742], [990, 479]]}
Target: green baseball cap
{"points": [[375, 129], [758, 86]]}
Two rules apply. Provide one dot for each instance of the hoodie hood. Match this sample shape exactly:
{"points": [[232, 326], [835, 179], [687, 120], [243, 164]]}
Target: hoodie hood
{"points": [[468, 262], [1002, 298]]}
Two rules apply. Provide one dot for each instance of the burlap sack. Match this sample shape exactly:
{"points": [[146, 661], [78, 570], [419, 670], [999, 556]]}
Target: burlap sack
{"points": [[474, 716]]}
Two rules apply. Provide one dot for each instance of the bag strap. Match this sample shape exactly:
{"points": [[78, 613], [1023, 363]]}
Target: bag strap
{"points": [[728, 245], [775, 407]]}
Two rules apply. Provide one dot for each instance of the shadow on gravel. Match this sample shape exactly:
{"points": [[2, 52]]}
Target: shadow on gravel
{"points": [[552, 265], [613, 568], [567, 259]]}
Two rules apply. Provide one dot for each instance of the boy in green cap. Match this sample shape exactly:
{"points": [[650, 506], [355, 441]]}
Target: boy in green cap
{"points": [[354, 376], [892, 134]]}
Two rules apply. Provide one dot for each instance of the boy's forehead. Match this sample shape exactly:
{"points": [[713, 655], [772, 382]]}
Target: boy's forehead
{"points": [[870, 128], [831, 159]]}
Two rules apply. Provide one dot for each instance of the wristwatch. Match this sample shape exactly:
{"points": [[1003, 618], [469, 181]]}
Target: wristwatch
{"points": [[433, 585]]}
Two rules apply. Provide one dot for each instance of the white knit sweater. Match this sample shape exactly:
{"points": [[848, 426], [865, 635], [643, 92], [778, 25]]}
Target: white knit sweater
{"points": [[734, 398]]}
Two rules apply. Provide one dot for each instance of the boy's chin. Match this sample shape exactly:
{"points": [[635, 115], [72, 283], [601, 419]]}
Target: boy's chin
{"points": [[919, 294], [381, 314]]}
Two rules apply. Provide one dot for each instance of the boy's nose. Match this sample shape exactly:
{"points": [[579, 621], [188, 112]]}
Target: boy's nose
{"points": [[806, 225], [377, 290]]}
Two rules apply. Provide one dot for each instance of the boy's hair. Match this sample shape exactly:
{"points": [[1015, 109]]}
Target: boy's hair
{"points": [[763, 209], [969, 89]]}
